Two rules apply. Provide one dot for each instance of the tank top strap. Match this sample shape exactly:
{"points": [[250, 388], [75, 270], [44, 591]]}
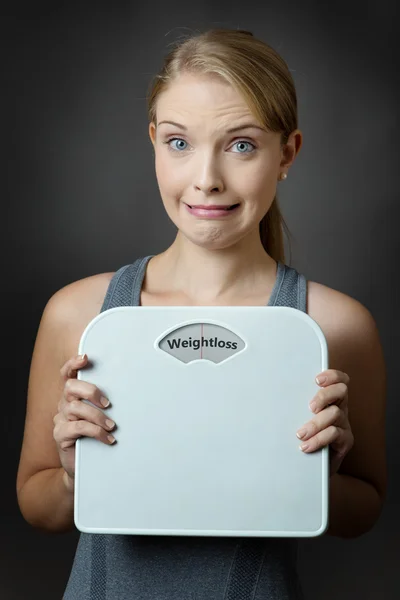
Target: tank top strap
{"points": [[290, 289], [125, 285]]}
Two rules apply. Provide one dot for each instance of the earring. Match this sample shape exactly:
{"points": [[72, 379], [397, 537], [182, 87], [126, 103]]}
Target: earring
{"points": [[282, 176]]}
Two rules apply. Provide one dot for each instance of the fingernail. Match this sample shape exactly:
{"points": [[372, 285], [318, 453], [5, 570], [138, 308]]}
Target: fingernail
{"points": [[110, 424], [304, 446], [82, 357], [301, 433], [104, 402], [111, 439], [321, 379], [312, 405]]}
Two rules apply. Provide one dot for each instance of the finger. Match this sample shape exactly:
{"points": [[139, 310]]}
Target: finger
{"points": [[334, 394], [66, 434], [77, 410], [331, 376], [332, 434], [71, 367], [77, 389], [332, 415]]}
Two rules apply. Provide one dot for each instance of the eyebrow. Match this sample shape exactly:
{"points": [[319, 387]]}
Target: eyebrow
{"points": [[231, 130]]}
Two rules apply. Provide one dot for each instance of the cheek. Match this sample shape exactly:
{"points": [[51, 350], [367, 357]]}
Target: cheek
{"points": [[258, 186], [260, 190], [258, 179], [169, 177]]}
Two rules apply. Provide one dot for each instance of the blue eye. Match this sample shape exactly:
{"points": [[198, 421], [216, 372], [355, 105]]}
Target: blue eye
{"points": [[244, 142], [174, 140], [179, 149]]}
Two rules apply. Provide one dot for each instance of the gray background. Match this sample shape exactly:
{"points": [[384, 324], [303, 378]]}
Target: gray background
{"points": [[83, 199]]}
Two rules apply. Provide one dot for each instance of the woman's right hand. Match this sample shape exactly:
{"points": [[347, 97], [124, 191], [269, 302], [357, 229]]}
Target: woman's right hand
{"points": [[76, 418]]}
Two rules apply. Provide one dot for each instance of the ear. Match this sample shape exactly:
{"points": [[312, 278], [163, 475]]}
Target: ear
{"points": [[152, 133], [291, 148]]}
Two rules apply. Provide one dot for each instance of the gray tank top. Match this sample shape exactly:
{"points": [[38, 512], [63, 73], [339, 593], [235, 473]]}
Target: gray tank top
{"points": [[133, 567]]}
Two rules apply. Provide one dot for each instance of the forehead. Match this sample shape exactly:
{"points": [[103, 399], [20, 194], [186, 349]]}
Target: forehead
{"points": [[195, 96]]}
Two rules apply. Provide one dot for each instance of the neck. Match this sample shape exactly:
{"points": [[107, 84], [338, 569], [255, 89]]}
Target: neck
{"points": [[209, 275]]}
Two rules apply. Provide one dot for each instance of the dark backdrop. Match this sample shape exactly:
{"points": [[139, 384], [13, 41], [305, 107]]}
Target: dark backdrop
{"points": [[81, 198]]}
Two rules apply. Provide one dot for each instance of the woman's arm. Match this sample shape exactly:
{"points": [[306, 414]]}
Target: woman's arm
{"points": [[355, 506], [43, 498], [44, 493], [358, 490], [46, 501]]}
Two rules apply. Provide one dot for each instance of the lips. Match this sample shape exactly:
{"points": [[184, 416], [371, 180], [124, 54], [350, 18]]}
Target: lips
{"points": [[213, 206]]}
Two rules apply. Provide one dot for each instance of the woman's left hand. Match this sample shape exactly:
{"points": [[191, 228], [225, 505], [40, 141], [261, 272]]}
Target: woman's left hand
{"points": [[331, 424]]}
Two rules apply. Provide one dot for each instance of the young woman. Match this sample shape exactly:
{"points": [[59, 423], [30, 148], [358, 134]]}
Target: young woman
{"points": [[223, 124]]}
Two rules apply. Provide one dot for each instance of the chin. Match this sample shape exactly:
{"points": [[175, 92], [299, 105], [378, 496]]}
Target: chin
{"points": [[212, 238]]}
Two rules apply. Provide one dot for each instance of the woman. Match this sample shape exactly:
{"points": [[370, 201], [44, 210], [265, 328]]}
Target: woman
{"points": [[223, 124]]}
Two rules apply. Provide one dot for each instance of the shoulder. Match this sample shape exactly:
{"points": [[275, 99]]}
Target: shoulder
{"points": [[72, 307], [82, 298], [347, 324], [341, 317]]}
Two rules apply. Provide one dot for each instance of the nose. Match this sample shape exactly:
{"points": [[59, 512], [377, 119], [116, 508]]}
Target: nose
{"points": [[208, 177]]}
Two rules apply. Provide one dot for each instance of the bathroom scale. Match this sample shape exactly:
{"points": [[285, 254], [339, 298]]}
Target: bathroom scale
{"points": [[207, 401]]}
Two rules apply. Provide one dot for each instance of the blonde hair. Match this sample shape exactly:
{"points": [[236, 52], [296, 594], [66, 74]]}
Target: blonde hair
{"points": [[259, 74]]}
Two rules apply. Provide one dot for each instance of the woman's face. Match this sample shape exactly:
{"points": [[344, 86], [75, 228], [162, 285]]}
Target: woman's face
{"points": [[199, 161]]}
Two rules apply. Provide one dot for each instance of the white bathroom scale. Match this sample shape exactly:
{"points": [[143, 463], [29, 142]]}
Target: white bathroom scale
{"points": [[207, 402]]}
